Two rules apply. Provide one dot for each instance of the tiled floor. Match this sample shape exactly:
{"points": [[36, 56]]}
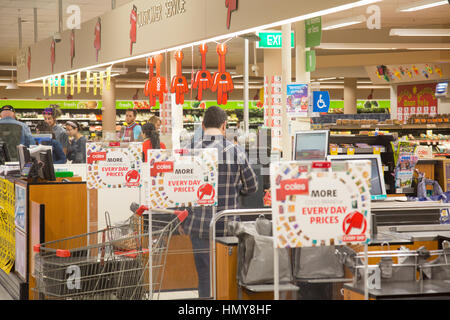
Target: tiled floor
{"points": [[173, 295], [4, 295]]}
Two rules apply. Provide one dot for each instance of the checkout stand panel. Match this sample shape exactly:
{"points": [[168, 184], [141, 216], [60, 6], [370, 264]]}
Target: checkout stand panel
{"points": [[64, 206]]}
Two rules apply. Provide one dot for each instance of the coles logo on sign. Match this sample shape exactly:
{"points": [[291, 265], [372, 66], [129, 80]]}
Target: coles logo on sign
{"points": [[96, 156], [160, 167], [206, 194], [133, 178], [292, 187]]}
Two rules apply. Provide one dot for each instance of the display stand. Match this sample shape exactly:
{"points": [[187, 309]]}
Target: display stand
{"points": [[320, 204], [178, 179]]}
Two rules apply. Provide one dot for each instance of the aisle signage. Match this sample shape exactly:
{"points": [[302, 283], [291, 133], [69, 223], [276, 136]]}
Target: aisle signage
{"points": [[113, 165], [321, 101], [122, 104], [182, 179], [310, 61], [313, 32], [314, 207], [272, 40], [297, 100]]}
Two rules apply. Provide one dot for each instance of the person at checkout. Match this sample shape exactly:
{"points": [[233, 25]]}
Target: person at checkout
{"points": [[59, 157], [8, 116]]}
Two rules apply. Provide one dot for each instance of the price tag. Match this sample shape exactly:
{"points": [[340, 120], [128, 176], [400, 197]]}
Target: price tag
{"points": [[350, 151], [376, 150], [334, 151]]}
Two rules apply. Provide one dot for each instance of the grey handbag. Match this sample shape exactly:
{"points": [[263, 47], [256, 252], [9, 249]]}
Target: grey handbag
{"points": [[255, 256], [317, 263]]}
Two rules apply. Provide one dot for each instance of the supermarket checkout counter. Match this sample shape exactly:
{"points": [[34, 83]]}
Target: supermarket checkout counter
{"points": [[400, 224], [412, 225]]}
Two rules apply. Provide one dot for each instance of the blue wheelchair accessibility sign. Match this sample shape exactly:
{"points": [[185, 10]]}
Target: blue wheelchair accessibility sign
{"points": [[321, 101]]}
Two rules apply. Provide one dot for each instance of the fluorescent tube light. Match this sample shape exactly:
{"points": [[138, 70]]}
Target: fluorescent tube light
{"points": [[421, 5], [343, 22], [420, 32]]}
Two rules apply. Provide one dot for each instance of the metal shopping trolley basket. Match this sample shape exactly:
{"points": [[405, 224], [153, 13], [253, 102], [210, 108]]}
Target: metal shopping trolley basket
{"points": [[109, 264]]}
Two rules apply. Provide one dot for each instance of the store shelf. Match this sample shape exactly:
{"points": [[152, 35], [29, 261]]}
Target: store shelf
{"points": [[432, 141], [360, 150], [382, 126]]}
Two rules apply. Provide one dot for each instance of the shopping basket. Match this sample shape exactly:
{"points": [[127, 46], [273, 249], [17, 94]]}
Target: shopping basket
{"points": [[97, 265]]}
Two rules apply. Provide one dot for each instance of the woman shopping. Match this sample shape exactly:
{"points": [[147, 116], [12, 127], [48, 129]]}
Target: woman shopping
{"points": [[77, 147], [57, 152], [151, 139]]}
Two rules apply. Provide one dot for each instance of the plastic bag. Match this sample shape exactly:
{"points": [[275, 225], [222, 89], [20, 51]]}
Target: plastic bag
{"points": [[255, 255], [317, 263], [422, 187]]}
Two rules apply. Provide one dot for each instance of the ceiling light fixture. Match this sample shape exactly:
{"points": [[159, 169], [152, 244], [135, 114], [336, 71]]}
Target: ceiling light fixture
{"points": [[343, 22], [420, 32], [322, 13], [421, 5]]}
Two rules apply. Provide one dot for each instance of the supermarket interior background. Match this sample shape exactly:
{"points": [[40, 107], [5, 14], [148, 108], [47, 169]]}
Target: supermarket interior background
{"points": [[385, 66]]}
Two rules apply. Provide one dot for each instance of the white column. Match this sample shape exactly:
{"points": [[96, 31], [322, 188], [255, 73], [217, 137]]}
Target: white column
{"points": [[350, 95], [393, 97], [301, 76], [286, 65], [177, 110], [246, 89], [109, 111]]}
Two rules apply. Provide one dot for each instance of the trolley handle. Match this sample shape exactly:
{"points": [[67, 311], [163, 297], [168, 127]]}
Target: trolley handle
{"points": [[139, 210]]}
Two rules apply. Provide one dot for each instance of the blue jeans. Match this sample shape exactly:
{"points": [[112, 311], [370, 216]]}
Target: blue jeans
{"points": [[201, 258]]}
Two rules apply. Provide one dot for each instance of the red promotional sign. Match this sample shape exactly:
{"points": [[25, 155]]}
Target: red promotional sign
{"points": [[292, 187], [96, 156], [133, 178], [354, 220], [412, 97], [321, 165], [160, 167], [206, 194]]}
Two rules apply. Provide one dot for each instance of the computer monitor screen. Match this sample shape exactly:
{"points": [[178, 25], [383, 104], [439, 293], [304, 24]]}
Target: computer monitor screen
{"points": [[4, 153], [43, 138], [46, 170], [378, 187], [311, 145], [24, 156]]}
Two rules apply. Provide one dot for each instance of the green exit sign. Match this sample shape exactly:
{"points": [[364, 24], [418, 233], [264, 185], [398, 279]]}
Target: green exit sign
{"points": [[272, 40]]}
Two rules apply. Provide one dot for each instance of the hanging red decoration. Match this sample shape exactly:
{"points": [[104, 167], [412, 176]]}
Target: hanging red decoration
{"points": [[222, 82], [179, 83], [203, 79], [158, 85], [147, 88]]}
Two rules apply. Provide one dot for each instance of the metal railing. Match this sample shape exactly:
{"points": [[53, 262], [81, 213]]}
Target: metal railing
{"points": [[212, 238]]}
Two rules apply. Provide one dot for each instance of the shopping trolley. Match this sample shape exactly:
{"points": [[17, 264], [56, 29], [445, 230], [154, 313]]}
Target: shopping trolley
{"points": [[109, 264]]}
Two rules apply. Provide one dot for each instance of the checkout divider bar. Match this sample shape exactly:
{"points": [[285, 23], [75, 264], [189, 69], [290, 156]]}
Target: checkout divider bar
{"points": [[212, 238]]}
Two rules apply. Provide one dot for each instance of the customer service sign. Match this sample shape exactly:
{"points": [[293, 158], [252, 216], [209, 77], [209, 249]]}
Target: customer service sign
{"points": [[182, 178], [316, 204]]}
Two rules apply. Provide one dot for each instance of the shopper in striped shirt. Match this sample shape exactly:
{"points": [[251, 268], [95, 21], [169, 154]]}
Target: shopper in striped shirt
{"points": [[236, 178]]}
